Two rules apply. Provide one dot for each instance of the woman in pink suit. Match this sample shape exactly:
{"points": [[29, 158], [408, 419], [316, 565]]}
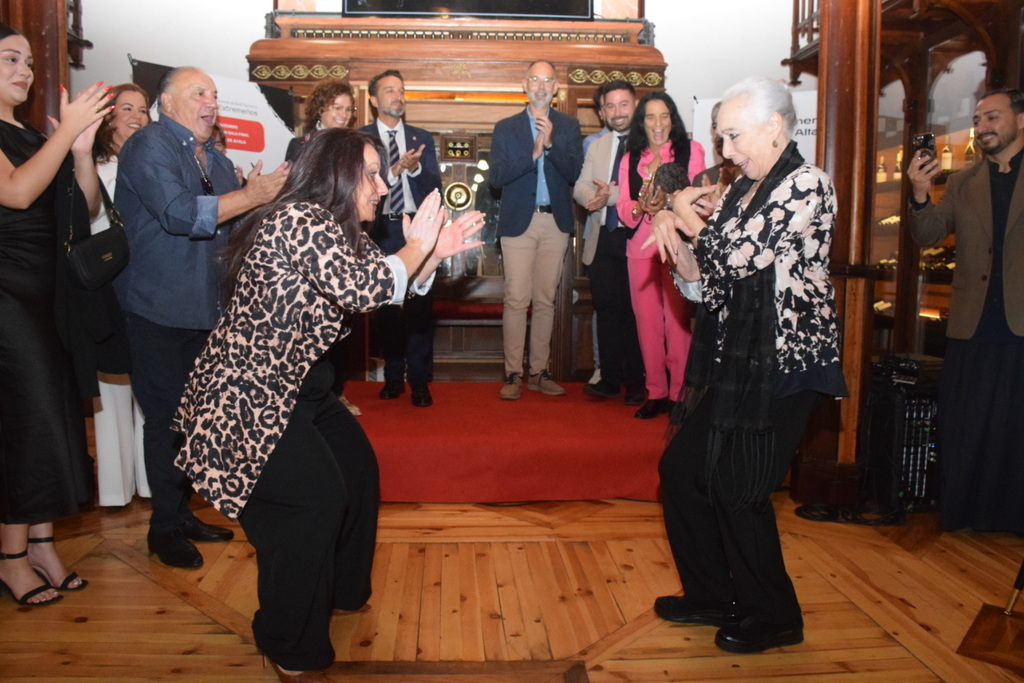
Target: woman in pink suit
{"points": [[656, 136]]}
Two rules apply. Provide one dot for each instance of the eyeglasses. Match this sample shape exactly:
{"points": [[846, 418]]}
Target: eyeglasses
{"points": [[540, 79], [347, 110], [203, 178]]}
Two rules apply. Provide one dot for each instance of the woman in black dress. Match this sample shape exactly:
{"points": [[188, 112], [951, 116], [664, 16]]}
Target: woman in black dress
{"points": [[45, 470]]}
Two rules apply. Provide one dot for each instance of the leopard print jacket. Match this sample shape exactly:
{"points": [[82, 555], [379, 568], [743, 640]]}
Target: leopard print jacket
{"points": [[294, 291]]}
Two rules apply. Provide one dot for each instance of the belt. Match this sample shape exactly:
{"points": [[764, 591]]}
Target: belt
{"points": [[543, 208], [398, 216]]}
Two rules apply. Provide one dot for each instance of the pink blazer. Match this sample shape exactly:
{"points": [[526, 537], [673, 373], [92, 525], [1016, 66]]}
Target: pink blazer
{"points": [[626, 204]]}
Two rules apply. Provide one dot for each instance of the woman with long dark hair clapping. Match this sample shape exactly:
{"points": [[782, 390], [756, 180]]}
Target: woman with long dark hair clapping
{"points": [[266, 441]]}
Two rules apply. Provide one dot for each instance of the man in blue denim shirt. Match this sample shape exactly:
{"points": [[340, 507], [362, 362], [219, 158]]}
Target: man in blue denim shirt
{"points": [[178, 197]]}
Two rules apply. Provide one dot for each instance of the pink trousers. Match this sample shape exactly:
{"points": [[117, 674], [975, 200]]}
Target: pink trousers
{"points": [[663, 326]]}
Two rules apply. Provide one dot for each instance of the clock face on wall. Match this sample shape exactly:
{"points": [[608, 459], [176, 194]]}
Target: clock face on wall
{"points": [[458, 196]]}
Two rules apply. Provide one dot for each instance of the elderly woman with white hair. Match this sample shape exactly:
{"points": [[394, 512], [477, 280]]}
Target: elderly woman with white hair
{"points": [[765, 350]]}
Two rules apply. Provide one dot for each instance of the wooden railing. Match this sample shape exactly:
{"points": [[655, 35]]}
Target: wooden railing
{"points": [[806, 25]]}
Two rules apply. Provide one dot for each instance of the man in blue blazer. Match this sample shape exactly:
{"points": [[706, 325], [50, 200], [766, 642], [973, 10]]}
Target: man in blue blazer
{"points": [[406, 332], [536, 156]]}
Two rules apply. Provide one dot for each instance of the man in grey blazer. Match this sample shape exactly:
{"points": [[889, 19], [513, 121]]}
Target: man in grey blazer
{"points": [[604, 250], [536, 156], [982, 385]]}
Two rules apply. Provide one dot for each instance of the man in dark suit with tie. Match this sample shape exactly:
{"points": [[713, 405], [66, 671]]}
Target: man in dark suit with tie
{"points": [[982, 384], [406, 332], [536, 156], [604, 250]]}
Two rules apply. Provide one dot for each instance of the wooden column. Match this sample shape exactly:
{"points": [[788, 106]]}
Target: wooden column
{"points": [[44, 24], [847, 131], [917, 84]]}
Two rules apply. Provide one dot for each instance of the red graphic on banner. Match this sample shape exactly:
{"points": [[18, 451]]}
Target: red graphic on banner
{"points": [[243, 134]]}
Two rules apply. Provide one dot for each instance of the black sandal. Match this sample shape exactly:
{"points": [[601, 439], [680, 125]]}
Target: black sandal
{"points": [[64, 586], [24, 599]]}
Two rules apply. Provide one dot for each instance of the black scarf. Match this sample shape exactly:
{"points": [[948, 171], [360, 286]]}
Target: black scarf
{"points": [[743, 377]]}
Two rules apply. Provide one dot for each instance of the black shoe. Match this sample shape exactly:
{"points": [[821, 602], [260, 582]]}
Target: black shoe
{"points": [[174, 550], [653, 407], [197, 530], [601, 389], [393, 388], [755, 635], [684, 610], [421, 397], [635, 394]]}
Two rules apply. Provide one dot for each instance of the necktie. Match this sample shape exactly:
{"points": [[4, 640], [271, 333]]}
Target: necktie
{"points": [[611, 219], [397, 194]]}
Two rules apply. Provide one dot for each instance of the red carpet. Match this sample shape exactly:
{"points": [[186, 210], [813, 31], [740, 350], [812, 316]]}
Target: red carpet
{"points": [[472, 447]]}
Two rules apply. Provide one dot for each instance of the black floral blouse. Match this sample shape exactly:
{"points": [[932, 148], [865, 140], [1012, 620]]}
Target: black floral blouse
{"points": [[793, 234]]}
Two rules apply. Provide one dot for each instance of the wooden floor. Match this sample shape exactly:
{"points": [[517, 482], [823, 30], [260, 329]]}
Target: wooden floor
{"points": [[542, 592]]}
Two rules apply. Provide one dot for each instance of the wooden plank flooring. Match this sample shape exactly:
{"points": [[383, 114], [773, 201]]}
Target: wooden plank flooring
{"points": [[538, 593]]}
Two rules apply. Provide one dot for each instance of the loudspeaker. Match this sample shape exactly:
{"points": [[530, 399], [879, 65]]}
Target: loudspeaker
{"points": [[898, 435]]}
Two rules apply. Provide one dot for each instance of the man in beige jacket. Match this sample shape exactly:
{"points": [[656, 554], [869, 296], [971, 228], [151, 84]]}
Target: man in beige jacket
{"points": [[604, 251]]}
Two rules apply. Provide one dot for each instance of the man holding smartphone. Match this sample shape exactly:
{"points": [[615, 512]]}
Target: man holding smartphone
{"points": [[982, 385]]}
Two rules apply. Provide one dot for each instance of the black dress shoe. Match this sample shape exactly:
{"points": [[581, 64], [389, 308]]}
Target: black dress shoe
{"points": [[421, 397], [174, 550], [635, 395], [653, 407], [754, 635], [393, 388], [601, 389], [684, 610], [197, 530]]}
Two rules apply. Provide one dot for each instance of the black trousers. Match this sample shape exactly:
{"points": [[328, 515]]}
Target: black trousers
{"points": [[723, 551], [406, 335], [980, 436], [617, 342], [163, 358], [312, 518]]}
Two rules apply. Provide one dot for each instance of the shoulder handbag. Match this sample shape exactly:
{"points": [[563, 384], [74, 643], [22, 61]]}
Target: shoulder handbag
{"points": [[97, 259]]}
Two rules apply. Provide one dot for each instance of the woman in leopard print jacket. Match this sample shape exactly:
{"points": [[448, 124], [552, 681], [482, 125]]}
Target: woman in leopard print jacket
{"points": [[265, 440]]}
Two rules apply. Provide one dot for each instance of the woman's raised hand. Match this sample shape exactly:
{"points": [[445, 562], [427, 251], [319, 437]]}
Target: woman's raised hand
{"points": [[665, 233], [452, 239], [693, 204], [423, 228], [83, 114]]}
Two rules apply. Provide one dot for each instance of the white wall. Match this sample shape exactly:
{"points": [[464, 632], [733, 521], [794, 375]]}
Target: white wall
{"points": [[213, 35], [708, 45]]}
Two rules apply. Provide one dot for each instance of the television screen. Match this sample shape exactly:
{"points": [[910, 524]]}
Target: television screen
{"points": [[504, 9]]}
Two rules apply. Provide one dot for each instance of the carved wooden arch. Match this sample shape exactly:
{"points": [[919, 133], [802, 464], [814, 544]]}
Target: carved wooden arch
{"points": [[993, 55]]}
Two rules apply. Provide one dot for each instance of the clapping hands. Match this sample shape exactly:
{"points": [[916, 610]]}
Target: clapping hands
{"points": [[430, 232], [81, 116]]}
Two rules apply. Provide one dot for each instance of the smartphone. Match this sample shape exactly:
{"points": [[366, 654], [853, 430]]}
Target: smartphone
{"points": [[924, 144]]}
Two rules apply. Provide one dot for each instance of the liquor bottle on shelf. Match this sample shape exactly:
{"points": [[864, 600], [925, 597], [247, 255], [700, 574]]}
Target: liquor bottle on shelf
{"points": [[970, 154], [897, 171], [946, 158], [881, 173]]}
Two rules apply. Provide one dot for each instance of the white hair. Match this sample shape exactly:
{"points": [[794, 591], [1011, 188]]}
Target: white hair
{"points": [[764, 98]]}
